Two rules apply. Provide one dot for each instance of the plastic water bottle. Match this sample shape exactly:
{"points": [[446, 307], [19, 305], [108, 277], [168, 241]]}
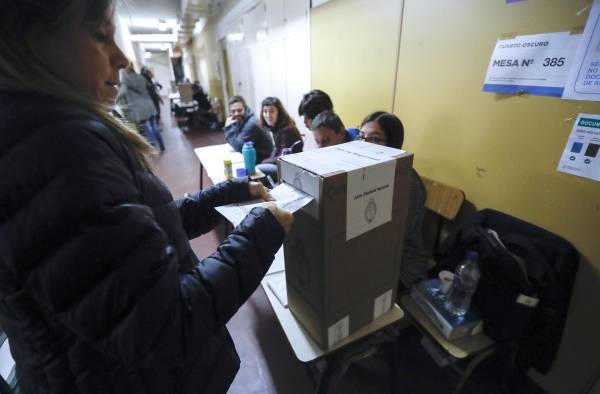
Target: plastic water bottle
{"points": [[227, 168], [466, 278], [249, 154]]}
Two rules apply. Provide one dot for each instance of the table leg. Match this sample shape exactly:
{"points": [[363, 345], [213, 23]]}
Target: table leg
{"points": [[472, 365], [391, 352], [201, 176], [325, 378], [338, 363]]}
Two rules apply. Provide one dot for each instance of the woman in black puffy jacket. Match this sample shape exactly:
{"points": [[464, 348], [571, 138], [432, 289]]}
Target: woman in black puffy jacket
{"points": [[100, 290]]}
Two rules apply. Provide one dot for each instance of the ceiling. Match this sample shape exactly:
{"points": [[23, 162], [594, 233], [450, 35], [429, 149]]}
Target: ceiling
{"points": [[160, 9], [142, 16]]}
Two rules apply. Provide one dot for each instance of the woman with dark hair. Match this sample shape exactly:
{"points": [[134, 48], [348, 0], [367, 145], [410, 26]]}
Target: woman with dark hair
{"points": [[274, 118], [101, 291], [384, 128]]}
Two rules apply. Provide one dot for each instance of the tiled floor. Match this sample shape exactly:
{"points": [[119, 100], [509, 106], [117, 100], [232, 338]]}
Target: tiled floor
{"points": [[268, 364]]}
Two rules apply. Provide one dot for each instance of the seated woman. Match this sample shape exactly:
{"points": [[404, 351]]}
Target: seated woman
{"points": [[274, 118], [384, 128]]}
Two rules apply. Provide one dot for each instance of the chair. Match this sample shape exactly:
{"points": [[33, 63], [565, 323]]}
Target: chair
{"points": [[297, 146], [443, 200], [185, 92]]}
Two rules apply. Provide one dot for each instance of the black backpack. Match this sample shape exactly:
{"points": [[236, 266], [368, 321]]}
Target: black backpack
{"points": [[526, 278]]}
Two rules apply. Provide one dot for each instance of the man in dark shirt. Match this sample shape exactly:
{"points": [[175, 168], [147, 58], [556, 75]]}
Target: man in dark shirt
{"points": [[243, 126]]}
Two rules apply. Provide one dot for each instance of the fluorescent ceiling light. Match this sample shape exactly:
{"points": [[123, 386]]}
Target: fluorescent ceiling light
{"points": [[261, 35], [199, 25], [162, 25], [153, 23], [153, 37], [235, 36], [155, 46]]}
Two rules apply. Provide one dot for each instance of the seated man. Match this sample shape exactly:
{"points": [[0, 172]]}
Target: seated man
{"points": [[329, 130], [203, 117], [243, 126]]}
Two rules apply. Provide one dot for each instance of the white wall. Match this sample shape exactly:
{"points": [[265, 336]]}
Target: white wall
{"points": [[268, 45], [160, 64], [189, 70]]}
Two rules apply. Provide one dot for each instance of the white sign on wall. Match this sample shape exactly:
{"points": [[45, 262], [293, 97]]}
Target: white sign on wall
{"points": [[536, 64], [581, 155], [583, 82]]}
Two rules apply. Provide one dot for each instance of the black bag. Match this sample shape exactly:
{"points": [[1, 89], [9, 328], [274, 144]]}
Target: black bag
{"points": [[503, 281], [526, 278]]}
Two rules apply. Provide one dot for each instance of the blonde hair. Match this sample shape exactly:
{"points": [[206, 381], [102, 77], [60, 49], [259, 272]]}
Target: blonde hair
{"points": [[21, 22]]}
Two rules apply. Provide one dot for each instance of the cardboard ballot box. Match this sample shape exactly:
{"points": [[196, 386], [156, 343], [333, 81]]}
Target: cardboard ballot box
{"points": [[342, 255]]}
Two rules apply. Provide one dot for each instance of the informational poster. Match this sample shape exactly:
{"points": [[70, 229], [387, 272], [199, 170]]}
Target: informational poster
{"points": [[583, 82], [580, 156], [536, 64]]}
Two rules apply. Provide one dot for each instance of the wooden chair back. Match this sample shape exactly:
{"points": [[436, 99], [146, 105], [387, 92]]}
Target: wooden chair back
{"points": [[443, 199]]}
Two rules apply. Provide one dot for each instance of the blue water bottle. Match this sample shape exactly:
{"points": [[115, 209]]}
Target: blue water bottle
{"points": [[249, 154]]}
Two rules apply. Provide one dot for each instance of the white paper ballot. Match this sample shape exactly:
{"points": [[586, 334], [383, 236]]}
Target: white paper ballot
{"points": [[286, 197], [278, 288]]}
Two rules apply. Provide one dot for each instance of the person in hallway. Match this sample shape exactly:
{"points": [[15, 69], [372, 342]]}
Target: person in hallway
{"points": [[101, 291], [384, 128], [153, 91], [137, 105], [328, 130], [274, 118], [204, 117], [243, 126], [200, 97]]}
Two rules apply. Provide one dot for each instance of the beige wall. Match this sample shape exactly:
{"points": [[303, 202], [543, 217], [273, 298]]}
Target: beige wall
{"points": [[501, 150], [205, 47], [354, 51]]}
